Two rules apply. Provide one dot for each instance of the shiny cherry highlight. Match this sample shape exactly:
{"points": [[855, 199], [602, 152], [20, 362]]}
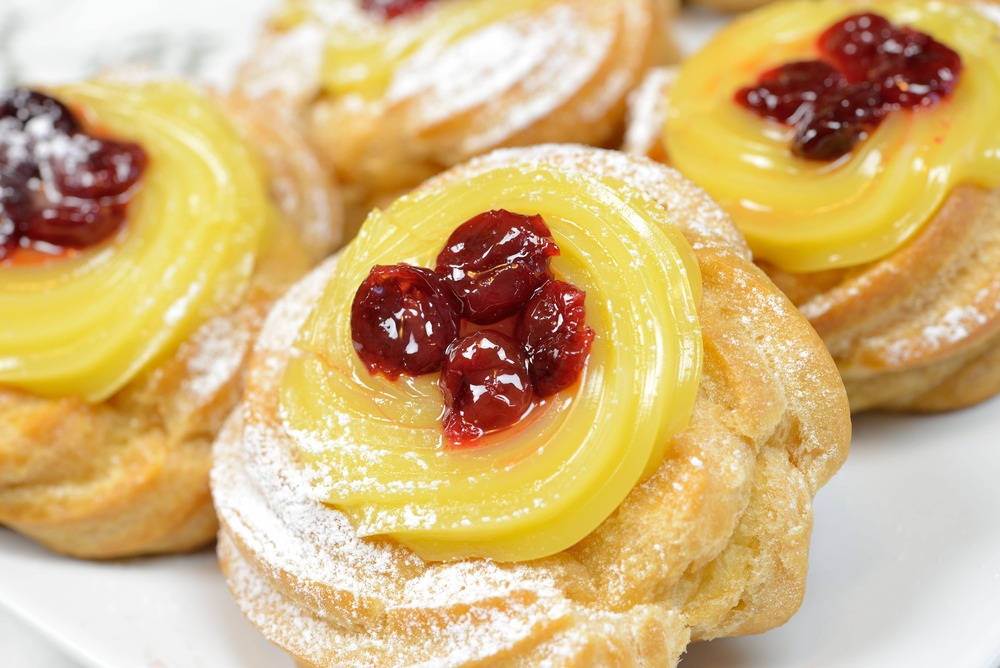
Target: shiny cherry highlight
{"points": [[485, 384], [403, 319], [553, 330], [493, 274], [495, 262]]}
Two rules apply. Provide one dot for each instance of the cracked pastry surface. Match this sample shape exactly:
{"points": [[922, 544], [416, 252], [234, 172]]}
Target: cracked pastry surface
{"points": [[711, 543], [125, 471]]}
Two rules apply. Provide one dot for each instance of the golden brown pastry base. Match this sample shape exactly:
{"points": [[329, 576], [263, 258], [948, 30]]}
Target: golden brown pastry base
{"points": [[917, 330], [583, 57], [714, 544], [129, 476]]}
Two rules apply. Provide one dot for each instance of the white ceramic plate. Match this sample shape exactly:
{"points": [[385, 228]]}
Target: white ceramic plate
{"points": [[905, 566]]}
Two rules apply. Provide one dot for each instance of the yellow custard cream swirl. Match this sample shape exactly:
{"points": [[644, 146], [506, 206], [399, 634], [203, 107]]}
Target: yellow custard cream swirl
{"points": [[809, 216], [377, 445], [88, 325]]}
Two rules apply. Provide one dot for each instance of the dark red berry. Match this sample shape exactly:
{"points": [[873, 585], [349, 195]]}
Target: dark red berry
{"points": [[78, 225], [8, 232], [402, 320], [924, 72], [785, 93], [17, 164], [403, 317], [15, 210], [24, 105], [106, 168], [552, 328], [390, 9], [495, 261], [837, 121], [60, 186], [485, 384], [888, 68], [15, 204], [857, 43]]}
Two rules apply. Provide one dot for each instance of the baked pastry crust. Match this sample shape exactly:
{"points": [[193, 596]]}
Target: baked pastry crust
{"points": [[916, 330], [713, 544], [567, 67], [129, 475]]}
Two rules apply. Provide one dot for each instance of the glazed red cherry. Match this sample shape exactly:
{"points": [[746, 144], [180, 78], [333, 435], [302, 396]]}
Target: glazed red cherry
{"points": [[58, 185], [495, 261], [785, 93], [8, 242], [837, 121], [8, 231], [15, 210], [877, 67], [922, 73], [390, 9], [15, 203], [17, 164], [78, 225], [402, 320], [913, 68], [857, 43], [486, 386], [24, 105], [552, 328], [98, 168]]}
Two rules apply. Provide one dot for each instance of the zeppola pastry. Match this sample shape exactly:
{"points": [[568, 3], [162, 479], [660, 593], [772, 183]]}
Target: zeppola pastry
{"points": [[142, 240], [543, 410], [856, 145], [396, 91]]}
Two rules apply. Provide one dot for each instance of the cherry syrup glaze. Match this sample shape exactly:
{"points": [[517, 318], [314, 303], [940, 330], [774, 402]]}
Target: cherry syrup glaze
{"points": [[486, 385], [402, 320], [59, 185], [869, 68], [495, 262], [390, 9], [493, 274]]}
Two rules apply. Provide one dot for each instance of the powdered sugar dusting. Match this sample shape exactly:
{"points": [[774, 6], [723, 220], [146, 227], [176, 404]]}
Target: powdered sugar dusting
{"points": [[220, 348], [936, 333], [956, 324], [574, 61], [544, 58], [39, 142], [803, 373], [701, 220], [291, 67], [647, 111]]}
